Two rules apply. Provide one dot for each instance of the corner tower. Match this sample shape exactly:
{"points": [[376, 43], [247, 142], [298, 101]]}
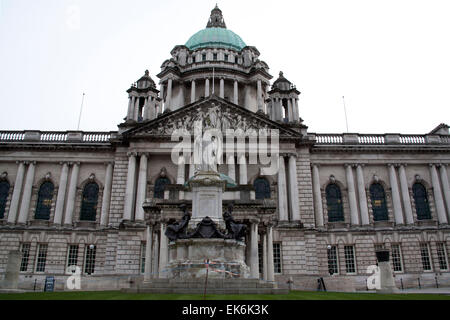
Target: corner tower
{"points": [[283, 102]]}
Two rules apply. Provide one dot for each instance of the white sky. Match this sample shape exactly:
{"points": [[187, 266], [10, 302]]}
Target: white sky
{"points": [[390, 59]]}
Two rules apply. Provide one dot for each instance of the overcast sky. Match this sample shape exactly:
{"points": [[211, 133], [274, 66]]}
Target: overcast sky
{"points": [[390, 59]]}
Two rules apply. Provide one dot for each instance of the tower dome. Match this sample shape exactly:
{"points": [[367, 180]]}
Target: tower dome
{"points": [[216, 35]]}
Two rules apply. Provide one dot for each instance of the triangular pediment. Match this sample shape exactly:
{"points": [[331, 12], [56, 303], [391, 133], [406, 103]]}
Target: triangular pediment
{"points": [[214, 112]]}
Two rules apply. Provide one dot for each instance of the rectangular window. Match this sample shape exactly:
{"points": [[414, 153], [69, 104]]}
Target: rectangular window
{"points": [[41, 257], [203, 57], [442, 256], [72, 255], [226, 57], [333, 263], [277, 257], [378, 246], [193, 59], [397, 264], [425, 254], [89, 261], [25, 257], [349, 252], [214, 56], [143, 248]]}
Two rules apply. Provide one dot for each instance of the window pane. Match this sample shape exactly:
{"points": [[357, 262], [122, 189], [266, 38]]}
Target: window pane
{"points": [[25, 257], [349, 259], [41, 257], [72, 259], [89, 266], [333, 267], [425, 254], [378, 199], [334, 203], [396, 258], [143, 248], [4, 191], [89, 202], [442, 256], [44, 203], [421, 202], [277, 257]]}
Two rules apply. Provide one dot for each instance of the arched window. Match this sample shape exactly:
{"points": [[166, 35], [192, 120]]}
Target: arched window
{"points": [[378, 197], [421, 201], [89, 202], [4, 191], [334, 203], [159, 187], [262, 188], [44, 203]]}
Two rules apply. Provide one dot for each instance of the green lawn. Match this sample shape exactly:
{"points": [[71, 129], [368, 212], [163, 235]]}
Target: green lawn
{"points": [[294, 295]]}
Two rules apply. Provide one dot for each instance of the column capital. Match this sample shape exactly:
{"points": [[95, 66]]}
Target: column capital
{"points": [[362, 165], [143, 154], [132, 154], [254, 220], [395, 165], [107, 163], [20, 161], [433, 165], [291, 154], [346, 165], [317, 165]]}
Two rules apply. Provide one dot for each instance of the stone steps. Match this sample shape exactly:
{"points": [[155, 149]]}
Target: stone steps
{"points": [[214, 286]]}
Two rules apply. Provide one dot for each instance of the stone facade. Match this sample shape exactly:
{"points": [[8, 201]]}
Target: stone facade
{"points": [[127, 166]]}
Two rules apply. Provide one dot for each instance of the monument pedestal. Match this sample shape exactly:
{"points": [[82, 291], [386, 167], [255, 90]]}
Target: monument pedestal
{"points": [[387, 283], [188, 257]]}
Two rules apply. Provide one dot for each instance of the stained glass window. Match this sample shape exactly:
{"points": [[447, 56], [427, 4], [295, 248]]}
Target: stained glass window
{"points": [[421, 201], [378, 198], [44, 203], [89, 202], [334, 203]]}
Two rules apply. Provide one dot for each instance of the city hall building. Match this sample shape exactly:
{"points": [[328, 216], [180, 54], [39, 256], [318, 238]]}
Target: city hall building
{"points": [[102, 200]]}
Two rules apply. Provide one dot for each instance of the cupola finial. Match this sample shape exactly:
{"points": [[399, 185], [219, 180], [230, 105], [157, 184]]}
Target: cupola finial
{"points": [[216, 19]]}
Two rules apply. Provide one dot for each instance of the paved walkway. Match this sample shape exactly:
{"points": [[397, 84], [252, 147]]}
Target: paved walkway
{"points": [[445, 290]]}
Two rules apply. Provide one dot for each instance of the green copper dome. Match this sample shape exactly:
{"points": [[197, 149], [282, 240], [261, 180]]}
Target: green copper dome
{"points": [[215, 37]]}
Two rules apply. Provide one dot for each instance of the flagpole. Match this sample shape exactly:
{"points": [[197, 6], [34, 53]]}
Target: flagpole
{"points": [[345, 112], [81, 110]]}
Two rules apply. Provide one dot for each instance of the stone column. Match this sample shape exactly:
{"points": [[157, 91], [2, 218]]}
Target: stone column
{"points": [[155, 257], [293, 189], [259, 94], [318, 208], [270, 266], [72, 194], [440, 207], [148, 254], [405, 194], [395, 195], [169, 95], [181, 174], [206, 88], [145, 112], [290, 109], [106, 194], [26, 197], [236, 93], [141, 188], [163, 252], [295, 109], [231, 167], [254, 265], [136, 109], [445, 186], [130, 188], [192, 91], [243, 170], [351, 195], [161, 92], [130, 108], [362, 195], [222, 88], [61, 193], [282, 192], [264, 250], [12, 215], [191, 170]]}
